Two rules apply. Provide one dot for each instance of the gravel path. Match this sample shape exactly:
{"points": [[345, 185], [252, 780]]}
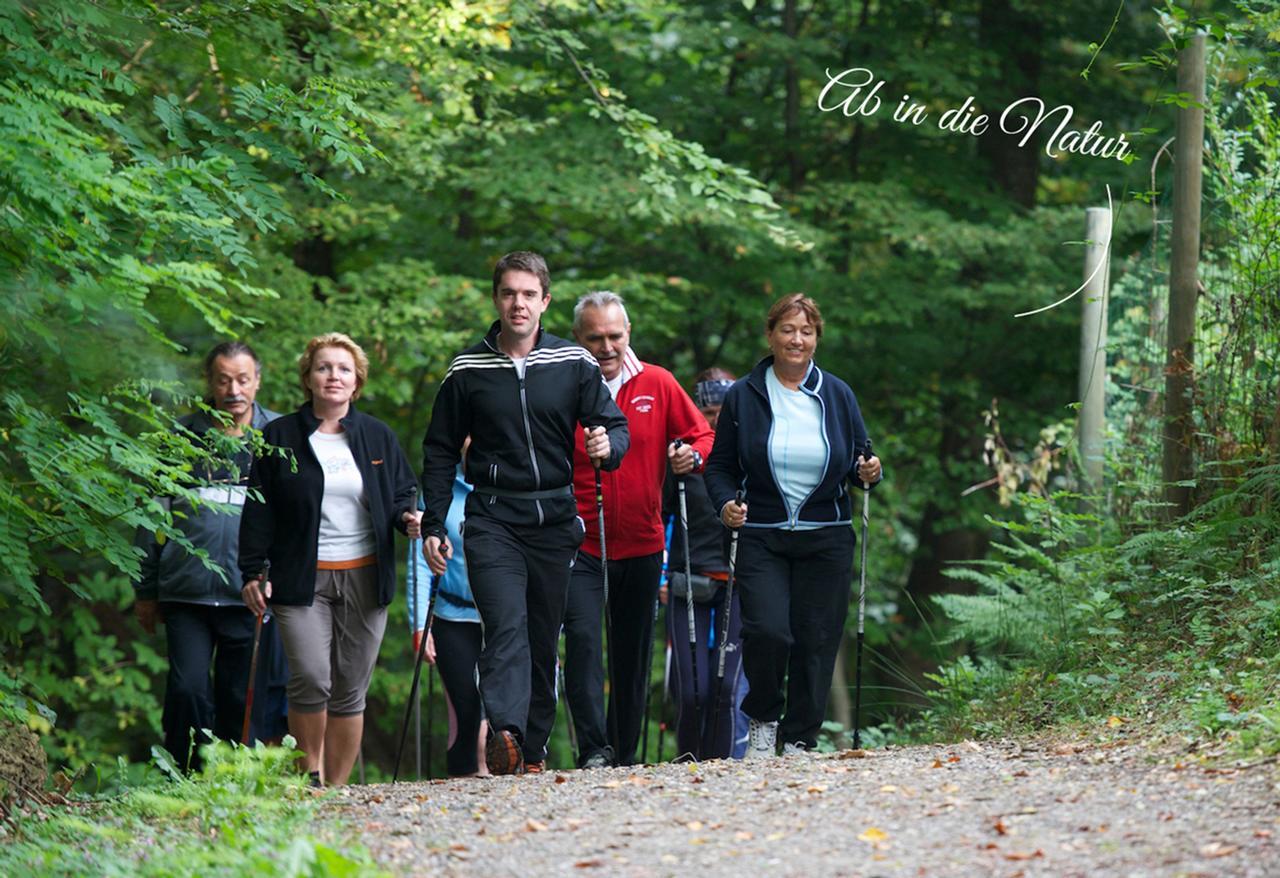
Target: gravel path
{"points": [[1003, 809]]}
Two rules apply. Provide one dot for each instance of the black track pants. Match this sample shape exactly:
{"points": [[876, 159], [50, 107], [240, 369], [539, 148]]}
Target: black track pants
{"points": [[519, 577], [694, 732], [795, 596], [457, 652], [633, 586], [201, 639]]}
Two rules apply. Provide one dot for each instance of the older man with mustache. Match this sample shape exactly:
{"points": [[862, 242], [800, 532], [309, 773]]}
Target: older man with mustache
{"points": [[206, 624]]}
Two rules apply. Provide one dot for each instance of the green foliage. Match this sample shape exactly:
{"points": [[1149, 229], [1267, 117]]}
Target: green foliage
{"points": [[248, 812]]}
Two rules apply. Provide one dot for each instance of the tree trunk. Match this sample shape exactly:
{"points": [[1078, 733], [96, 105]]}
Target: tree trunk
{"points": [[1017, 40], [1179, 432]]}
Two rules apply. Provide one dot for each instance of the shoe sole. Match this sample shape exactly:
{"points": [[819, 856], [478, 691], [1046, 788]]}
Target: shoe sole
{"points": [[502, 754]]}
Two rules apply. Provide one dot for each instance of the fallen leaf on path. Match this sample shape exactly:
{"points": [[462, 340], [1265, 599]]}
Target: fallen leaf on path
{"points": [[693, 825], [972, 746], [457, 846], [1114, 722], [852, 754], [1015, 855], [1262, 833], [872, 834], [953, 758], [560, 778], [742, 835], [588, 864], [775, 836], [937, 763], [1216, 849], [1000, 826], [817, 788], [532, 825], [889, 788]]}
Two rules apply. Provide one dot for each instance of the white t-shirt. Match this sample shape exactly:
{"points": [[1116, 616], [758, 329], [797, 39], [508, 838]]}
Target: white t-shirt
{"points": [[614, 384], [346, 529], [520, 363]]}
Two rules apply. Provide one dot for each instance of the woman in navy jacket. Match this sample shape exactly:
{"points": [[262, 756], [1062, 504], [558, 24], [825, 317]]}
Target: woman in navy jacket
{"points": [[790, 436]]}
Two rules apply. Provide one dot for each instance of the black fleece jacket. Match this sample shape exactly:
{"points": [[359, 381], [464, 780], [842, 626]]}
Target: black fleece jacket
{"points": [[284, 526], [521, 429]]}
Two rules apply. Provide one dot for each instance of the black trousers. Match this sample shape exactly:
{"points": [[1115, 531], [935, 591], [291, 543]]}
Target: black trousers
{"points": [[633, 586], [695, 732], [795, 596], [519, 577], [202, 638], [458, 647]]}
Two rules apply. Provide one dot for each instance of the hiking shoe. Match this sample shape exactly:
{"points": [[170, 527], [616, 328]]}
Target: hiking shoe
{"points": [[762, 739], [313, 780], [502, 753], [795, 748], [599, 759], [534, 767]]}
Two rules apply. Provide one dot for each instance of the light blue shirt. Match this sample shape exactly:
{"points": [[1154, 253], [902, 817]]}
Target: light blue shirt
{"points": [[454, 603], [797, 445]]}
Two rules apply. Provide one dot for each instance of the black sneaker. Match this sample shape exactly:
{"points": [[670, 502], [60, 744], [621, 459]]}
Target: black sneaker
{"points": [[502, 753], [599, 759], [313, 780]]}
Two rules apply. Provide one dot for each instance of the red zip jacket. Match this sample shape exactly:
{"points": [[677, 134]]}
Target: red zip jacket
{"points": [[658, 412]]}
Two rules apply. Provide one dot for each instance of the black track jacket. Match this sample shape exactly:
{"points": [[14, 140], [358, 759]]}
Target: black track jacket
{"points": [[522, 430], [284, 525]]}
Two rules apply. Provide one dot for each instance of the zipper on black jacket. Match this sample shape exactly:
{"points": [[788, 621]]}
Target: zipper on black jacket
{"points": [[533, 456]]}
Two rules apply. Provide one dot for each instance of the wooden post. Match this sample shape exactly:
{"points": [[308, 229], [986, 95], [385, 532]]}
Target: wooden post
{"points": [[1093, 344], [1178, 464]]}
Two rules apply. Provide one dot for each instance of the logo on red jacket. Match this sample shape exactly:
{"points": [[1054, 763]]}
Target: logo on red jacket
{"points": [[642, 403]]}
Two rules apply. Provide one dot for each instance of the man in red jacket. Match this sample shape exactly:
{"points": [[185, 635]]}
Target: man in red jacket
{"points": [[658, 412]]}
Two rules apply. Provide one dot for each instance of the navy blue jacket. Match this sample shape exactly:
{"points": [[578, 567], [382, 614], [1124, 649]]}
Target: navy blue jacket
{"points": [[740, 458], [168, 572]]}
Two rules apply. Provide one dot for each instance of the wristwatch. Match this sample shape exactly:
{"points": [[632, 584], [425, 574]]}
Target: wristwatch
{"points": [[697, 461]]}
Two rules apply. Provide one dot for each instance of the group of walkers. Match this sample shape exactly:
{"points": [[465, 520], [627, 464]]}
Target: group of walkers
{"points": [[552, 473]]}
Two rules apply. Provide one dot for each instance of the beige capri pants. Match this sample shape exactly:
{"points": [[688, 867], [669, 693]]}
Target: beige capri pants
{"points": [[333, 644]]}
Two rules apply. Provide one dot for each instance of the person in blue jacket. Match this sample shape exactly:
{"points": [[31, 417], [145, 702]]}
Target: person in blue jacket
{"points": [[455, 640], [791, 437]]}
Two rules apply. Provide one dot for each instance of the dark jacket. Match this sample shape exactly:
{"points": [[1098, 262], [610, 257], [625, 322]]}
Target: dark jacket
{"points": [[522, 430], [284, 526], [706, 533], [740, 457], [171, 573]]}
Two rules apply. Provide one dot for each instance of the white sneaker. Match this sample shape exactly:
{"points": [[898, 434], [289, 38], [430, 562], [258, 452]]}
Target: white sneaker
{"points": [[796, 749], [762, 739]]}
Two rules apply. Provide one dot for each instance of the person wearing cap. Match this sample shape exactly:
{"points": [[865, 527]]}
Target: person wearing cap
{"points": [[696, 736]]}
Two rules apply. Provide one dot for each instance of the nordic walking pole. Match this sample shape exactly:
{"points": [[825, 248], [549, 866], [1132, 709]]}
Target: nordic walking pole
{"points": [[688, 602], [648, 684], [862, 609], [666, 682], [431, 686], [724, 641], [413, 620], [253, 660], [417, 672], [608, 619]]}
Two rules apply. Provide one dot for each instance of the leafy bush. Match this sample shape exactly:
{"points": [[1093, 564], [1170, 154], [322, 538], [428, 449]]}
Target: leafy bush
{"points": [[247, 813]]}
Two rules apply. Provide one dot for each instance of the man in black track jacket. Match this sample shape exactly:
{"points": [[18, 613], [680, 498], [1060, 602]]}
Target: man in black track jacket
{"points": [[519, 394]]}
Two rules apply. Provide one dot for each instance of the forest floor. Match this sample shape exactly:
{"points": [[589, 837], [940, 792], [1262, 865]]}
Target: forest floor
{"points": [[1010, 808]]}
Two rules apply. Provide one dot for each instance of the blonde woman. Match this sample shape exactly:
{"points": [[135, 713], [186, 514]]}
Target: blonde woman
{"points": [[324, 524]]}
